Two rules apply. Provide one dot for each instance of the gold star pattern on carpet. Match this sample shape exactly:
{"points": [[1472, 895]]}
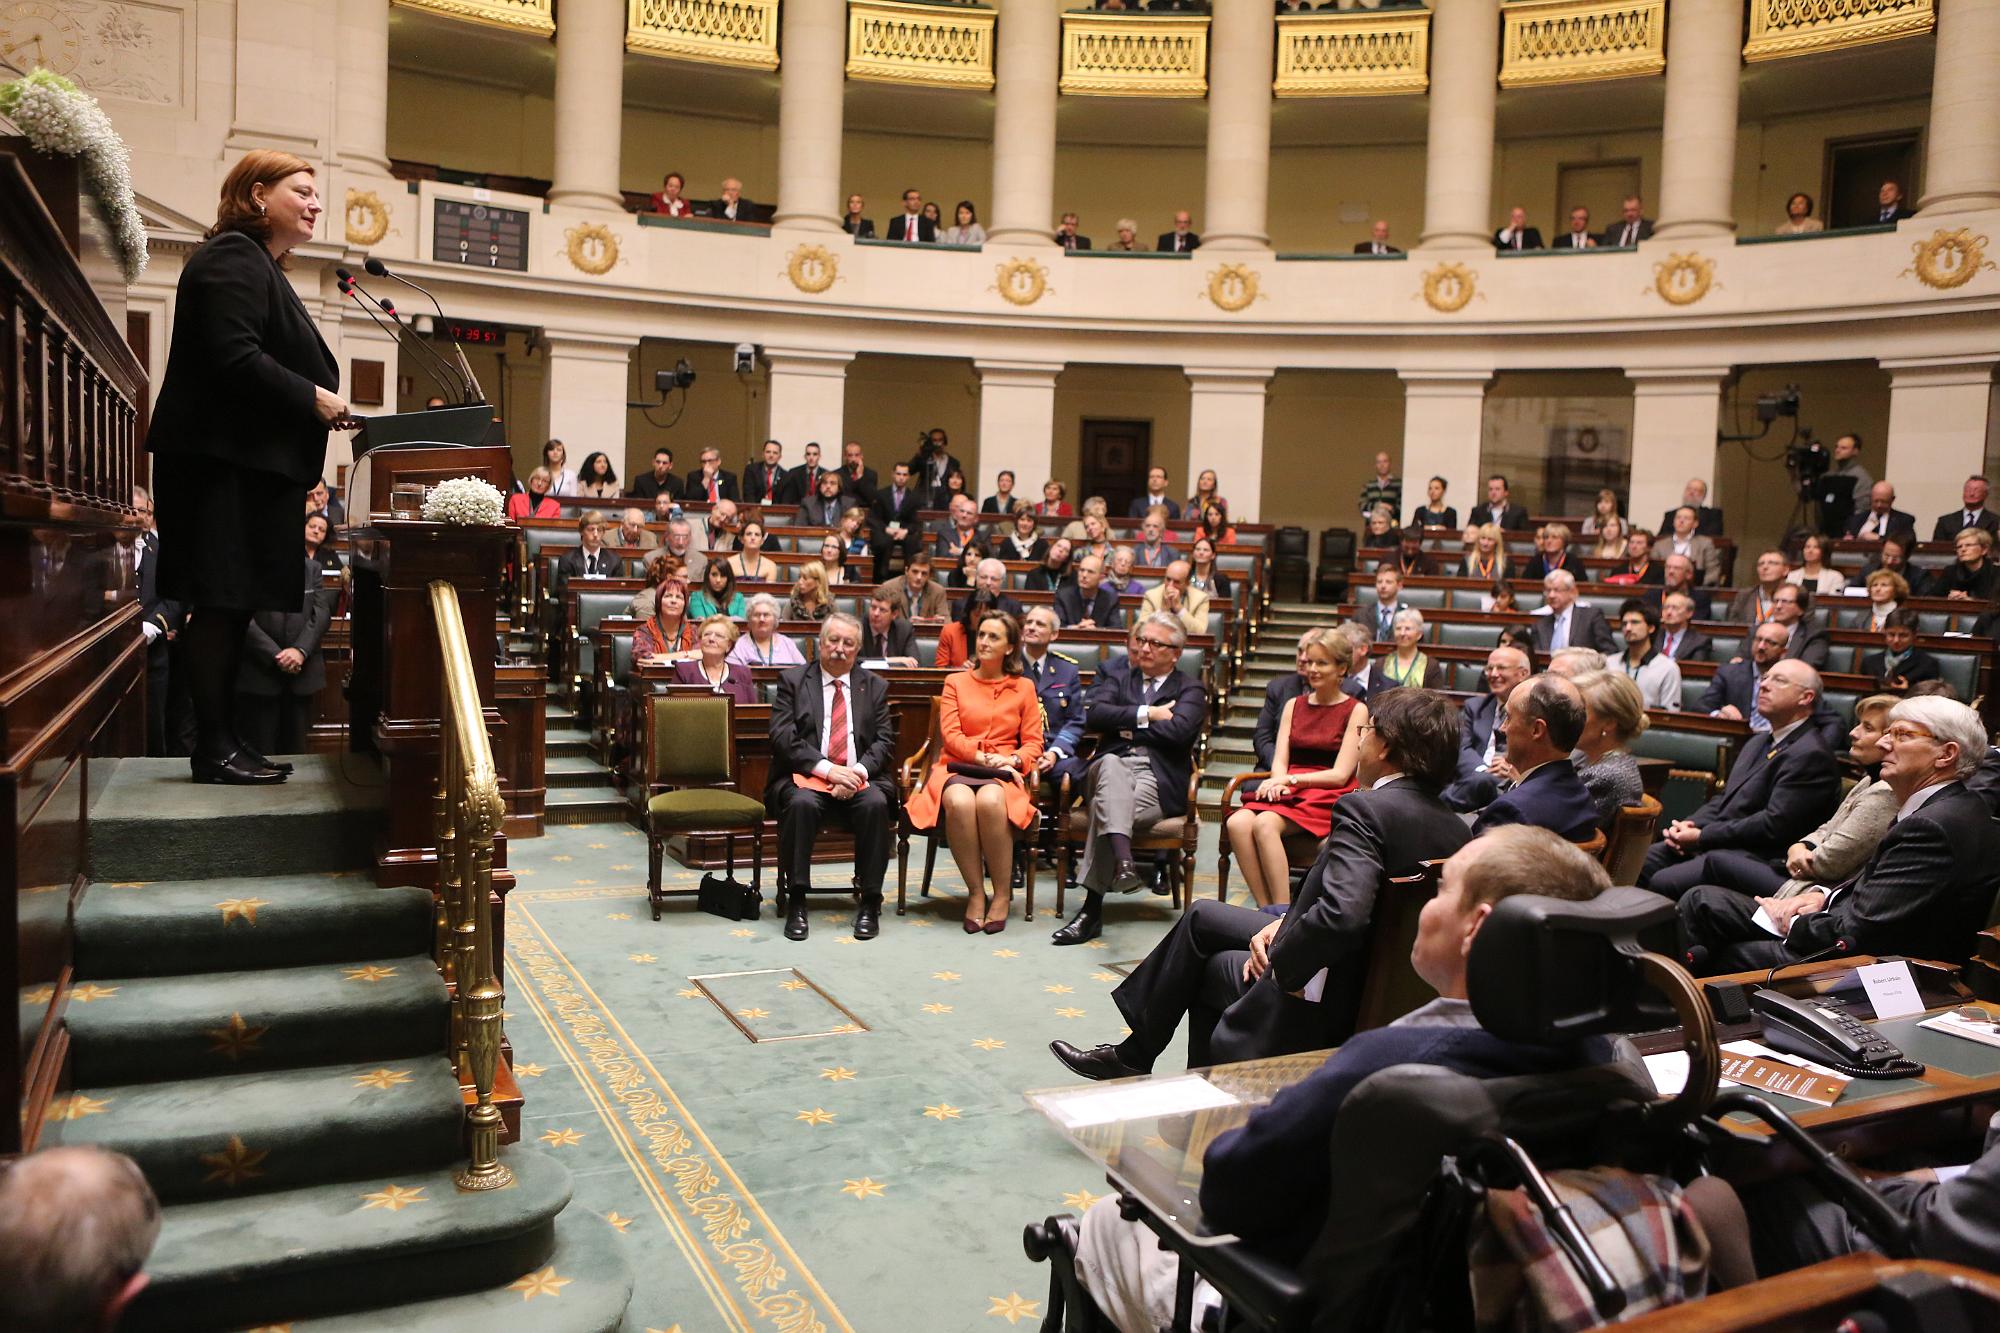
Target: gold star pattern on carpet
{"points": [[689, 992], [233, 1165], [382, 1079], [990, 1044], [1069, 1012], [1080, 1199], [843, 1029], [796, 983], [753, 1013], [395, 1198], [529, 1071], [562, 1138], [744, 933], [1059, 989], [598, 846], [617, 1221], [369, 972], [584, 883], [39, 995], [1012, 1308], [544, 1283], [864, 1188], [1105, 976], [1006, 953], [235, 1039], [618, 867], [617, 916], [240, 909], [942, 1111], [816, 1116], [837, 1074], [922, 921], [89, 991], [935, 1008], [642, 958], [944, 976], [76, 1106], [846, 939], [522, 870], [562, 858], [1095, 944]]}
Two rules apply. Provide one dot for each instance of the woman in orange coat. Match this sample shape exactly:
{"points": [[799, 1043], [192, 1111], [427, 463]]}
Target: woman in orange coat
{"points": [[990, 729]]}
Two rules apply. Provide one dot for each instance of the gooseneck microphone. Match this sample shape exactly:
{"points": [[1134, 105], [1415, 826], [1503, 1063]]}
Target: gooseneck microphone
{"points": [[376, 268], [352, 291]]}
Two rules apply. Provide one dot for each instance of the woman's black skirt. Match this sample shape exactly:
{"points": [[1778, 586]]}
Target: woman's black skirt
{"points": [[230, 538]]}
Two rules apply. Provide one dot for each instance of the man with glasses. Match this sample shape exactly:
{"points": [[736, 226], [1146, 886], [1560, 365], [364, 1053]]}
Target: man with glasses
{"points": [[1925, 891], [1483, 731], [1781, 788], [1807, 640], [1147, 719]]}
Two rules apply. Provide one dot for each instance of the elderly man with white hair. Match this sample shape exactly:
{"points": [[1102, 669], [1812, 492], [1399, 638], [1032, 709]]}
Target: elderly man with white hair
{"points": [[1564, 622], [1924, 893]]}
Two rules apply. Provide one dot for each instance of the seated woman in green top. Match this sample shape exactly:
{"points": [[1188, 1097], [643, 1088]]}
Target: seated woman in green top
{"points": [[717, 595]]}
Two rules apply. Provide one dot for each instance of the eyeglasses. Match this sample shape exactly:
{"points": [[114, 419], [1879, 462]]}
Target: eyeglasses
{"points": [[1902, 732], [1155, 643], [1365, 726]]}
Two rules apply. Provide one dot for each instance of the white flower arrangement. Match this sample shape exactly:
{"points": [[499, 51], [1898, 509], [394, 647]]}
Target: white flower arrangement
{"points": [[58, 117], [466, 501]]}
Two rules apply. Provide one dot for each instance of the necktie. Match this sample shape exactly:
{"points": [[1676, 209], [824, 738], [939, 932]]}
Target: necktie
{"points": [[770, 482], [590, 562], [910, 225], [836, 740], [1560, 638], [712, 497], [1667, 644]]}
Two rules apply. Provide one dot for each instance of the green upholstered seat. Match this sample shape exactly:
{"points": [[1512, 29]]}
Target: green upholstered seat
{"points": [[1722, 647], [1960, 671], [693, 754], [1468, 677], [1464, 635], [1697, 761], [1088, 655], [703, 808]]}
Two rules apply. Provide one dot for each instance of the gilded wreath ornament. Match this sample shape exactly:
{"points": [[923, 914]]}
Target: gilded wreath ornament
{"points": [[1449, 287], [1948, 259], [592, 248], [1684, 279], [812, 268], [1233, 287], [367, 217], [1021, 281]]}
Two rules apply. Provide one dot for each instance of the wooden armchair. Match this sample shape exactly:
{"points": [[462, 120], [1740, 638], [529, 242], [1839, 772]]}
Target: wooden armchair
{"points": [[1301, 847], [1631, 834], [1178, 835]]}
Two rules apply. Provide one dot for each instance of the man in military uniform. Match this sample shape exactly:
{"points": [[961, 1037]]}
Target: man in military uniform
{"points": [[1058, 684]]}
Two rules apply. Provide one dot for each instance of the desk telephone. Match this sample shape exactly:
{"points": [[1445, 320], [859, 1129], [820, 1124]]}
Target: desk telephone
{"points": [[1837, 1040]]}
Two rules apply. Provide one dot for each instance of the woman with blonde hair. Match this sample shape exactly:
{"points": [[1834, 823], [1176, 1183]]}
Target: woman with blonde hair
{"points": [[535, 501], [810, 599], [1603, 511], [1610, 543], [1487, 560], [1614, 716], [1887, 590]]}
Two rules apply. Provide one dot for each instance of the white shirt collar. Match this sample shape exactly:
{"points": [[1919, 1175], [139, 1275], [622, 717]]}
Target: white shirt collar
{"points": [[1384, 781], [1919, 796], [1779, 733]]}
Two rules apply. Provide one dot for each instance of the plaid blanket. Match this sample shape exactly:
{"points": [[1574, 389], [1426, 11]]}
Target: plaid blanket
{"points": [[1640, 1226]]}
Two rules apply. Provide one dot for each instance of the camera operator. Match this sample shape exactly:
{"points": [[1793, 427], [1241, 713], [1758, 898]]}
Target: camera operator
{"points": [[932, 465]]}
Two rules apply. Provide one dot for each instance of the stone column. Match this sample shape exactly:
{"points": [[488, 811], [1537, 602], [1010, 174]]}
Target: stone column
{"points": [[1444, 416], [1017, 422], [1242, 41], [1026, 63], [810, 110], [1675, 415], [1226, 431], [1962, 149], [1698, 143], [808, 397], [588, 380], [361, 87], [1940, 412], [590, 104], [1458, 160]]}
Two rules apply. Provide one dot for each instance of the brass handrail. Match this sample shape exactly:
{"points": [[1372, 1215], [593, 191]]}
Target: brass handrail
{"points": [[468, 811]]}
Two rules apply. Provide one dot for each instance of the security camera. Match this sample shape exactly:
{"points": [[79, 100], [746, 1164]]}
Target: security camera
{"points": [[746, 358]]}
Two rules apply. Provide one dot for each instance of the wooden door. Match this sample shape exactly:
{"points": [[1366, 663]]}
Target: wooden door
{"points": [[1116, 457]]}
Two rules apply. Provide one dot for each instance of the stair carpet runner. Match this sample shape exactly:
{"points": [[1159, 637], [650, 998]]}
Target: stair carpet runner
{"points": [[272, 1052]]}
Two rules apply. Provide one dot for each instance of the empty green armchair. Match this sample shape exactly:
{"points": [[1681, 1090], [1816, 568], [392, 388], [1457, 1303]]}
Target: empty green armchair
{"points": [[691, 783]]}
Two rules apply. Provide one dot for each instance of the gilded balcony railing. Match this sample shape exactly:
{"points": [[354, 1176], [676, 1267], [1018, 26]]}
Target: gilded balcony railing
{"points": [[536, 16], [1577, 41], [1135, 55], [1356, 53], [936, 46], [714, 32], [1781, 28], [468, 811]]}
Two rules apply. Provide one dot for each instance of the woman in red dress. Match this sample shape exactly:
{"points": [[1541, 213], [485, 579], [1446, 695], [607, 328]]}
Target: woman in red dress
{"points": [[1312, 768]]}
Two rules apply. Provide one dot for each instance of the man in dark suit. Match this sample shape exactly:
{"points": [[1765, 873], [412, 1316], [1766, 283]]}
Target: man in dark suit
{"points": [[830, 727], [1233, 972], [1381, 619], [731, 206], [1677, 575], [1791, 606], [932, 468], [801, 480], [1926, 890], [1708, 519], [1281, 691], [886, 635], [711, 481], [1482, 735], [1578, 236], [661, 480], [590, 558], [1971, 513], [283, 669], [1679, 639], [1500, 507], [949, 536], [1632, 226], [1539, 785], [856, 477], [1901, 663], [989, 581], [1147, 719], [911, 224], [1379, 242], [1155, 496], [1732, 690], [1087, 603], [893, 518], [1066, 235], [1058, 682], [159, 619], [1181, 240], [1889, 205], [1517, 234], [1778, 791], [766, 482], [1881, 518], [1564, 622]]}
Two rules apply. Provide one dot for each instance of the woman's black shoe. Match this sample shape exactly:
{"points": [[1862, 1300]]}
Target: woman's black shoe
{"points": [[235, 771]]}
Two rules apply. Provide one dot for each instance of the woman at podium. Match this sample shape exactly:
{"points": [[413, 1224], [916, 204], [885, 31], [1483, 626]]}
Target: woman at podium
{"points": [[238, 438]]}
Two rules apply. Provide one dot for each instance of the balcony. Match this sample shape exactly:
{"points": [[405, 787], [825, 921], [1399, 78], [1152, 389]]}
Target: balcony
{"points": [[741, 33], [1580, 41], [930, 46], [1134, 55], [1358, 53], [1780, 28], [533, 16]]}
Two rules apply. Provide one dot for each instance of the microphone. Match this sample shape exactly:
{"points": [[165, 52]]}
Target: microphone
{"points": [[376, 268], [465, 395], [352, 290]]}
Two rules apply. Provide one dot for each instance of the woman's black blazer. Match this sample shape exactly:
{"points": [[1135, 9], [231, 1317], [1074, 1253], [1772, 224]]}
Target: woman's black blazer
{"points": [[244, 361]]}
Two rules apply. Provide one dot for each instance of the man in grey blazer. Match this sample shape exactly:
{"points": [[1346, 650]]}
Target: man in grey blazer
{"points": [[1687, 540]]}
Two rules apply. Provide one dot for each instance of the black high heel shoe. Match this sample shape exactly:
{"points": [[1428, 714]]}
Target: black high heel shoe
{"points": [[234, 771]]}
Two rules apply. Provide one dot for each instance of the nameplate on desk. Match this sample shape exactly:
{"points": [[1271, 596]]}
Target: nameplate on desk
{"points": [[1752, 1071], [1891, 989]]}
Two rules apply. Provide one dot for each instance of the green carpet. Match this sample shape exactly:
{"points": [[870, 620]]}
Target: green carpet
{"points": [[875, 1180]]}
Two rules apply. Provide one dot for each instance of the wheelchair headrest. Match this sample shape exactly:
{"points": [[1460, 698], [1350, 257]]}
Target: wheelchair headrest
{"points": [[1549, 970]]}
